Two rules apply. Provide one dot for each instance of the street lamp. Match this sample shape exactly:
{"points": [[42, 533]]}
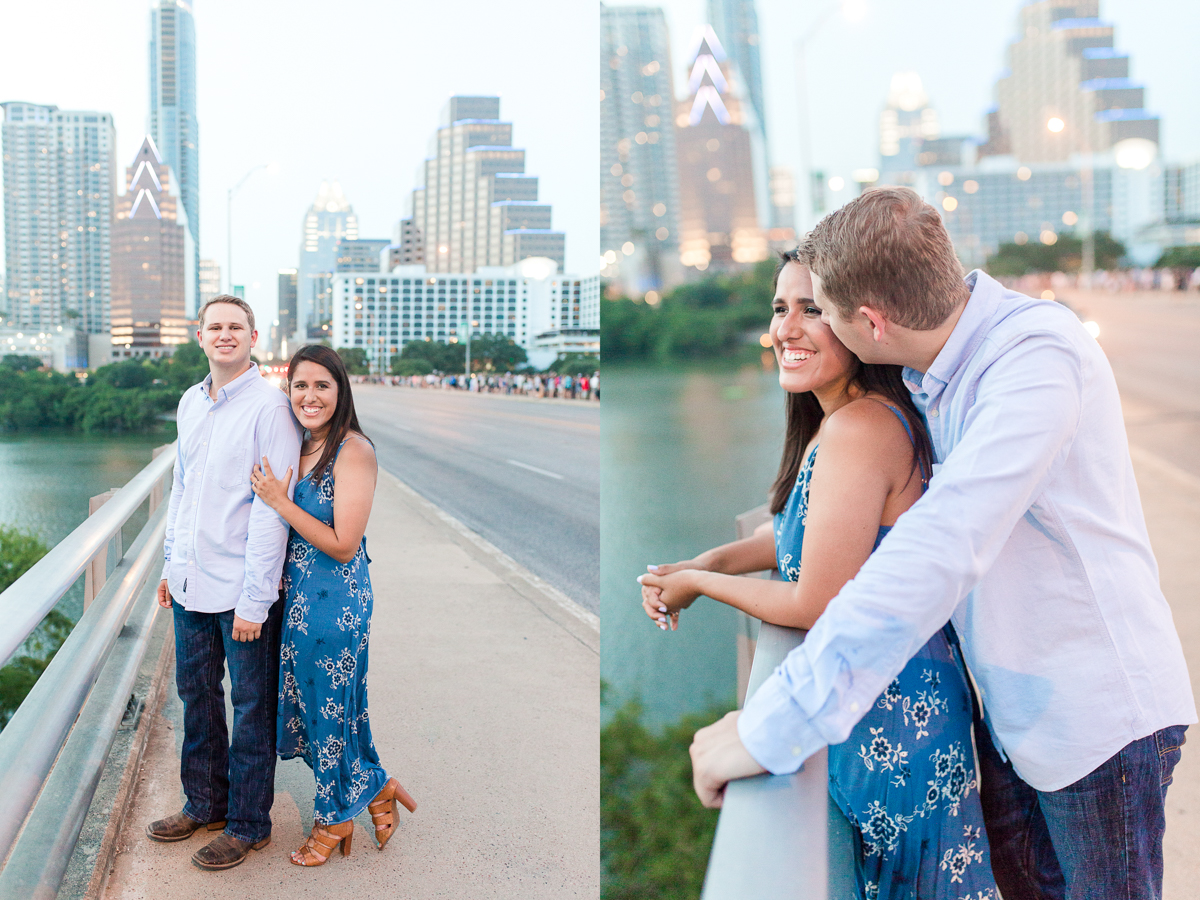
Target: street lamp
{"points": [[470, 325], [272, 169]]}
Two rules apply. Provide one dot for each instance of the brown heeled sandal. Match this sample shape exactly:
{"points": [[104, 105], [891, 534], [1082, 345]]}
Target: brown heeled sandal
{"points": [[384, 814], [321, 843]]}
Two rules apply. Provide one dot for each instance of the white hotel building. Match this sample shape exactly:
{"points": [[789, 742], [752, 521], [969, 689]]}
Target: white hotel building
{"points": [[528, 302]]}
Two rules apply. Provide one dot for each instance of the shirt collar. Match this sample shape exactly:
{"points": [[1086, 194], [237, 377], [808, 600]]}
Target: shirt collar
{"points": [[234, 387], [964, 340]]}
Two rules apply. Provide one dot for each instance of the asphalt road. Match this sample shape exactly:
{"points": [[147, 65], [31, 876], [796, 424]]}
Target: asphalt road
{"points": [[1152, 341], [525, 474]]}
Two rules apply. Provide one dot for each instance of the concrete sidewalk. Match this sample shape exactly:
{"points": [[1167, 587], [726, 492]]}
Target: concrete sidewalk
{"points": [[1171, 500], [484, 704]]}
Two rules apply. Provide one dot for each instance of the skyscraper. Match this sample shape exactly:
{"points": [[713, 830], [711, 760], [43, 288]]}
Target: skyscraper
{"points": [[736, 25], [210, 284], [476, 206], [151, 261], [59, 188], [639, 172], [719, 222], [330, 219], [1067, 90], [284, 342], [173, 109]]}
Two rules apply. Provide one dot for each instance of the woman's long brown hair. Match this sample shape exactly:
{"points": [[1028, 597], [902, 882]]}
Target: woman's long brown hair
{"points": [[344, 419], [804, 415]]}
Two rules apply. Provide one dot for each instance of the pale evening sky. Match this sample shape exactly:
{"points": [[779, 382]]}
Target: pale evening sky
{"points": [[348, 91]]}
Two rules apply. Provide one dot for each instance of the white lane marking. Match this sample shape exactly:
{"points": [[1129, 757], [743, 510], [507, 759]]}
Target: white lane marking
{"points": [[522, 465]]}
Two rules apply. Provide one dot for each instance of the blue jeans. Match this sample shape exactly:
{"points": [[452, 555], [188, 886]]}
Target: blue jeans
{"points": [[1099, 837], [223, 780]]}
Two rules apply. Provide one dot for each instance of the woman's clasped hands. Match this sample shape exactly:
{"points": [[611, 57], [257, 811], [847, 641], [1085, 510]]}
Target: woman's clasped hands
{"points": [[667, 589]]}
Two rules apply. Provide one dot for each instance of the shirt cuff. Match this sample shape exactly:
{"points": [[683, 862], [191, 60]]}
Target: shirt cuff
{"points": [[252, 610], [775, 731]]}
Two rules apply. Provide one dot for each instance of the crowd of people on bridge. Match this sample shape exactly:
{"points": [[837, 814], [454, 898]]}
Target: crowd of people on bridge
{"points": [[539, 386]]}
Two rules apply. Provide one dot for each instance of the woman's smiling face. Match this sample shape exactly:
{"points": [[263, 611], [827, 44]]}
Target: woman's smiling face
{"points": [[314, 394], [809, 355]]}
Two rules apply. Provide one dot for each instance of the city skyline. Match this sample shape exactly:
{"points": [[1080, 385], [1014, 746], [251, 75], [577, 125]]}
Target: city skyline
{"points": [[958, 51], [371, 142]]}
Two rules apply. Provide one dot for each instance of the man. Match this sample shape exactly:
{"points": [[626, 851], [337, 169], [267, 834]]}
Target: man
{"points": [[224, 555], [1031, 540]]}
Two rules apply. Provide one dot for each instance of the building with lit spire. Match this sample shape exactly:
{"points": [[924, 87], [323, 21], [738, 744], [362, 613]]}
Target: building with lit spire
{"points": [[152, 258], [719, 213]]}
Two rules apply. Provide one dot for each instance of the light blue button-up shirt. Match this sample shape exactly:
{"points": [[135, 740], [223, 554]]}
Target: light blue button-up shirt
{"points": [[1031, 539], [225, 547]]}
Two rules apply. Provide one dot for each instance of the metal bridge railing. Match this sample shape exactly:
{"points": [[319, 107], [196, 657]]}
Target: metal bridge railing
{"points": [[778, 837], [54, 748]]}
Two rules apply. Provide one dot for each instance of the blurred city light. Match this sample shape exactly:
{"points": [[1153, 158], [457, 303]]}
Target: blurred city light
{"points": [[949, 204], [1069, 218], [1049, 238], [1092, 328], [1135, 153], [765, 340], [1056, 124]]}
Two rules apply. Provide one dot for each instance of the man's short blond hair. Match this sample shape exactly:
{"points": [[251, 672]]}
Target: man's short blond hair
{"points": [[228, 298], [887, 249]]}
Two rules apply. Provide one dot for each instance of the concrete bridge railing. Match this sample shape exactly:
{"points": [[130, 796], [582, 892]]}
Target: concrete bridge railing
{"points": [[55, 746], [778, 837]]}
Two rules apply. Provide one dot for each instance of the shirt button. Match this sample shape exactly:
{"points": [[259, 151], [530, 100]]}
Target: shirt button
{"points": [[853, 705], [796, 751], [932, 412]]}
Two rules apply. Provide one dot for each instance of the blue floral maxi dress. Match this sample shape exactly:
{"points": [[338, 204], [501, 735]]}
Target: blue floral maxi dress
{"points": [[905, 778], [323, 665]]}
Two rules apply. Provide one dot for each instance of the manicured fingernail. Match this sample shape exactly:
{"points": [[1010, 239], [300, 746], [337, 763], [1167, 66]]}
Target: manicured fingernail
{"points": [[639, 579], [662, 609], [663, 627], [662, 618], [652, 568]]}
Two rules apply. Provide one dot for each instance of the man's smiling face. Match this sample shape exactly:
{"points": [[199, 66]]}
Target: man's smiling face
{"points": [[225, 335]]}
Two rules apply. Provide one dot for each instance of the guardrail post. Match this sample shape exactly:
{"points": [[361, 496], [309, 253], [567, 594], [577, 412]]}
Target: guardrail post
{"points": [[97, 570], [156, 493]]}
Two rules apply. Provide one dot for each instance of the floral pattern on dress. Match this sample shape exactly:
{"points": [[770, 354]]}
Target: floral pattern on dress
{"points": [[323, 714], [905, 777]]}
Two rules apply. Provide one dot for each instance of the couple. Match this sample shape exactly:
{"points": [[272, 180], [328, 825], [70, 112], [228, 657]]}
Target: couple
{"points": [[1029, 539], [297, 657]]}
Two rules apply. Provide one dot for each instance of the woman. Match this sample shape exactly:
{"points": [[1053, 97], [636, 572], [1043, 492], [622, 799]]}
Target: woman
{"points": [[327, 621], [905, 777]]}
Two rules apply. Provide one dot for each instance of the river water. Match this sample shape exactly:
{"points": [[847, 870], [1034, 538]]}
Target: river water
{"points": [[49, 476], [683, 453]]}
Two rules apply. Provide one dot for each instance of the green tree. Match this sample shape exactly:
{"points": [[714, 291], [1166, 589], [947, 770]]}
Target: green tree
{"points": [[1181, 261], [655, 836], [407, 367], [574, 364], [496, 353], [19, 550], [21, 363], [355, 359], [1064, 255], [449, 358]]}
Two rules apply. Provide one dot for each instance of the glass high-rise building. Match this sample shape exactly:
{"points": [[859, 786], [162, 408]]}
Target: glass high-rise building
{"points": [[476, 206], [639, 173], [1067, 89], [282, 344], [172, 122], [329, 220], [59, 180]]}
